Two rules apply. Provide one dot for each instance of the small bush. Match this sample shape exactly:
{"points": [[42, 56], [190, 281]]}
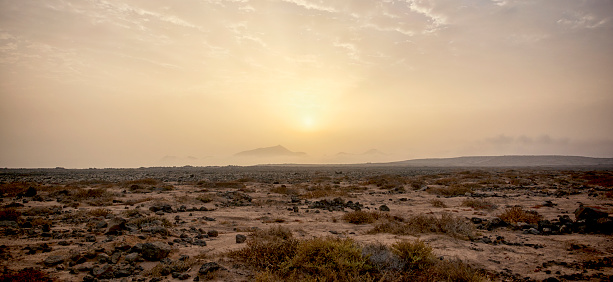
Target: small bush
{"points": [[13, 188], [327, 259], [230, 184], [424, 223], [360, 217], [26, 275], [416, 255], [456, 270], [438, 203], [205, 198], [284, 190], [94, 197], [518, 214], [450, 191], [268, 249], [9, 214], [478, 204]]}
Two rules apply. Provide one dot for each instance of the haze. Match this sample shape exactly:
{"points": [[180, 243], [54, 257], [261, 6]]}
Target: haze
{"points": [[135, 83]]}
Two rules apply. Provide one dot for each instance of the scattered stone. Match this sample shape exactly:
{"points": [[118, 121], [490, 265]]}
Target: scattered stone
{"points": [[212, 233], [53, 260], [116, 225], [384, 208], [240, 238], [210, 267]]}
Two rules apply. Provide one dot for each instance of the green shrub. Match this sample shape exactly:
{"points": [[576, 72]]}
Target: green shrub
{"points": [[327, 259], [416, 255]]}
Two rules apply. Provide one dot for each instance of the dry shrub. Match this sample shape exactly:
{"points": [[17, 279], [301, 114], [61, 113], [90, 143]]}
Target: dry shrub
{"points": [[456, 270], [267, 249], [386, 181], [94, 197], [14, 188], [479, 204], [360, 217], [327, 259], [284, 190], [451, 191], [518, 214], [415, 255], [144, 181], [9, 214], [449, 224], [164, 269], [99, 212], [205, 198], [228, 184], [26, 275], [438, 203], [40, 221]]}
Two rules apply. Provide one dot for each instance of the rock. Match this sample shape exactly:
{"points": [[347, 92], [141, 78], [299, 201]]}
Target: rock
{"points": [[495, 223], [212, 233], [476, 220], [154, 251], [116, 225], [131, 257], [533, 231], [31, 192], [156, 230], [209, 267], [53, 260], [588, 213], [183, 276], [199, 242], [384, 208], [90, 238], [101, 224], [240, 238], [161, 207], [9, 223], [104, 272]]}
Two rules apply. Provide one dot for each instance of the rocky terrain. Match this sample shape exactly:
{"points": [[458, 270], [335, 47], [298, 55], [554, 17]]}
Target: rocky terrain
{"points": [[193, 223]]}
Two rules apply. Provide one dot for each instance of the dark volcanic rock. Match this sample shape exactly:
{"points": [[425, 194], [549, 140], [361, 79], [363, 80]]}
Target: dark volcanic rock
{"points": [[588, 213], [240, 238], [116, 225], [154, 251], [384, 208], [209, 267], [53, 260]]}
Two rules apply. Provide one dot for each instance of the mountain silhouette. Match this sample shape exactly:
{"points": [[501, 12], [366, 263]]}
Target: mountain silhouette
{"points": [[276, 151]]}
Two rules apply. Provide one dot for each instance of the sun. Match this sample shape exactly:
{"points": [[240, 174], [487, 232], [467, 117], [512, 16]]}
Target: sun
{"points": [[308, 122]]}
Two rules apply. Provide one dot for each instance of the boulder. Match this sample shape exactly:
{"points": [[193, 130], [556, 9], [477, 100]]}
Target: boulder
{"points": [[240, 238], [589, 213], [154, 251]]}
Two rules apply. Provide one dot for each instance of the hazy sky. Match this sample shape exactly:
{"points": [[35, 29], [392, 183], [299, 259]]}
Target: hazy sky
{"points": [[124, 83]]}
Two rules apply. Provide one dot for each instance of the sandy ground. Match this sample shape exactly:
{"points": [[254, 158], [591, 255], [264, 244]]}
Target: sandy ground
{"points": [[521, 257]]}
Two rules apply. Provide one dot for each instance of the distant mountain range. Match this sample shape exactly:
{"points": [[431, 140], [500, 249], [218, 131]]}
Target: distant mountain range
{"points": [[371, 152], [276, 151], [507, 161]]}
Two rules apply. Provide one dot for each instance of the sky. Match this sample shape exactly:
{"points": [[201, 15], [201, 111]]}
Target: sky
{"points": [[130, 83]]}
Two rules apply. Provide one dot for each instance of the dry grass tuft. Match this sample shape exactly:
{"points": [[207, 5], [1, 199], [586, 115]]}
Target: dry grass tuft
{"points": [[451, 191], [438, 203], [424, 223], [518, 214], [479, 204], [26, 275], [103, 212]]}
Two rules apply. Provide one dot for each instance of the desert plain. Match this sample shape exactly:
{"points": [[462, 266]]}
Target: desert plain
{"points": [[225, 223]]}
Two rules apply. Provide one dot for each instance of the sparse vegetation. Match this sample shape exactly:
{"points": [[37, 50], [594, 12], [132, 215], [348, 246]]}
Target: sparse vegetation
{"points": [[425, 223], [142, 221], [103, 212], [26, 275], [478, 204], [438, 203], [451, 191], [518, 214], [9, 214]]}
